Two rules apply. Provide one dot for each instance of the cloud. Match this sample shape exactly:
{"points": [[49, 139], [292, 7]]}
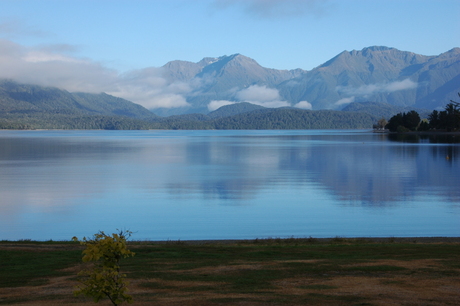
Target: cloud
{"points": [[273, 104], [215, 104], [345, 101], [148, 88], [261, 95], [366, 90], [47, 68], [303, 105], [274, 8], [258, 93], [401, 85], [51, 65]]}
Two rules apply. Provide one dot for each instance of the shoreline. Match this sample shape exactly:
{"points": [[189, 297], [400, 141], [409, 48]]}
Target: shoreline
{"points": [[313, 240], [262, 241]]}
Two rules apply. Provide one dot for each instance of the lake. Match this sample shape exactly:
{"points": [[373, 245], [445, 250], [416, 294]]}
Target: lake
{"points": [[193, 185]]}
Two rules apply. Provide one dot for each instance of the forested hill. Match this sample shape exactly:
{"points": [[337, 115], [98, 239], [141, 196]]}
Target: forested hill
{"points": [[35, 107], [292, 118]]}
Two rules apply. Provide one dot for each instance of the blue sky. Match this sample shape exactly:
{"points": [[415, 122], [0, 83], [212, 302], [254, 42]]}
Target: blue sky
{"points": [[107, 39]]}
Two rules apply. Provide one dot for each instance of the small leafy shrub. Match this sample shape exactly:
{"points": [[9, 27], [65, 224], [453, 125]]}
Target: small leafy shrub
{"points": [[104, 279]]}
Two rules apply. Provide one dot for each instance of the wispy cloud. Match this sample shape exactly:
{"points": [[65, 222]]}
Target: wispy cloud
{"points": [[274, 8], [345, 101]]}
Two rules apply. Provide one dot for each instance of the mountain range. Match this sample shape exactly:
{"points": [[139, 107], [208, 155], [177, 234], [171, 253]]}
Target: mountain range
{"points": [[373, 74], [352, 90]]}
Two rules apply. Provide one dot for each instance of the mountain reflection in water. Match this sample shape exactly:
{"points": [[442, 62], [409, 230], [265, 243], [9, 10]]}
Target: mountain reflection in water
{"points": [[289, 177]]}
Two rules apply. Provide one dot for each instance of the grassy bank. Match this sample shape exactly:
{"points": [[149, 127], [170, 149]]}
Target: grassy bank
{"points": [[334, 271]]}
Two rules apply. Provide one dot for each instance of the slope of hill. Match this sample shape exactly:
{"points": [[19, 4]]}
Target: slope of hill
{"points": [[25, 106], [18, 98]]}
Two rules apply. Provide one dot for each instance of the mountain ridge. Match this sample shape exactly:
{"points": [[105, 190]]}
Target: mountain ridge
{"points": [[376, 73]]}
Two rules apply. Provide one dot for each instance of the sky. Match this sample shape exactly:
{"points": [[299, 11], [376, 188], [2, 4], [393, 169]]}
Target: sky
{"points": [[118, 46]]}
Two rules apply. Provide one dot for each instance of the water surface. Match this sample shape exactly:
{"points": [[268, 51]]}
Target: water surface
{"points": [[227, 184]]}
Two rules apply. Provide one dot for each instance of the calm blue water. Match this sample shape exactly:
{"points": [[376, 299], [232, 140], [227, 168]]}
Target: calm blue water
{"points": [[226, 184]]}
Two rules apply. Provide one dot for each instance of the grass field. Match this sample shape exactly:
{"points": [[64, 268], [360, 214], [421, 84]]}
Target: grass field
{"points": [[258, 272]]}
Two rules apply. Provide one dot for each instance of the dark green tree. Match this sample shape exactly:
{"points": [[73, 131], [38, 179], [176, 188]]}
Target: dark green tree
{"points": [[448, 119], [411, 120], [404, 122], [434, 119], [394, 122]]}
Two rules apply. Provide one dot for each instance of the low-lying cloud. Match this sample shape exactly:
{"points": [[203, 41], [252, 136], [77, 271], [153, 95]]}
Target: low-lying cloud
{"points": [[368, 90], [377, 88], [148, 88], [258, 93], [345, 101], [215, 104], [261, 95], [42, 66], [53, 66], [304, 105], [254, 94]]}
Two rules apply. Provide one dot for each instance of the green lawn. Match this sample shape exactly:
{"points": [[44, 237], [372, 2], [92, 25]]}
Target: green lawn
{"points": [[274, 271]]}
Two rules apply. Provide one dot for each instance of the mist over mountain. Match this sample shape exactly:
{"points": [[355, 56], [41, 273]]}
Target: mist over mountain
{"points": [[226, 79], [24, 106], [377, 74]]}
